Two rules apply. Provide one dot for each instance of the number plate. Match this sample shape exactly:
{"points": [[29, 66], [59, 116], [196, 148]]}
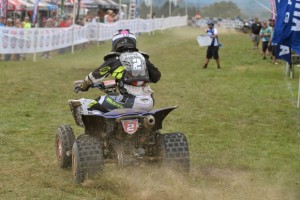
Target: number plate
{"points": [[130, 126]]}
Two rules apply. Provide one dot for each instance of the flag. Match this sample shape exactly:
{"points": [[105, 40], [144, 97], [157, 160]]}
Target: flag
{"points": [[35, 10], [287, 28], [3, 4], [284, 52], [273, 8]]}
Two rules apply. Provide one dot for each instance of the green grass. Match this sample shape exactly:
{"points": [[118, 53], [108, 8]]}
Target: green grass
{"points": [[241, 122]]}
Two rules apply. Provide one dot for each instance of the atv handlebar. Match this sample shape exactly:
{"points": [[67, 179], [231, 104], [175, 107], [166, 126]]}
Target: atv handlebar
{"points": [[108, 86]]}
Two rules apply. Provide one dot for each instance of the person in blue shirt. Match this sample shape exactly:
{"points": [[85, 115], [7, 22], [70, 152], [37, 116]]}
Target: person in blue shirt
{"points": [[2, 19], [2, 24], [213, 49]]}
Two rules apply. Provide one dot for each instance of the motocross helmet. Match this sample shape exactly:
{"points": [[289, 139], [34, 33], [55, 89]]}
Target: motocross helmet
{"points": [[123, 40]]}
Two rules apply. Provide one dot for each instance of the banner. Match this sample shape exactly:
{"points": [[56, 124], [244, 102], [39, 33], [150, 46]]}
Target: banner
{"points": [[273, 8], [35, 10], [204, 40], [284, 52], [35, 40], [18, 40], [3, 8], [287, 28]]}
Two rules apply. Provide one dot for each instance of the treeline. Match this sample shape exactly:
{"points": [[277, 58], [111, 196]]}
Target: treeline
{"points": [[221, 9]]}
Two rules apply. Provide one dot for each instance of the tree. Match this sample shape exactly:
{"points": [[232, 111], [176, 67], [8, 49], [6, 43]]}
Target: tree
{"points": [[221, 9]]}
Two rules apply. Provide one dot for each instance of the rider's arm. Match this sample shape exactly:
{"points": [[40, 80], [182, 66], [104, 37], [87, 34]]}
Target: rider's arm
{"points": [[154, 73], [96, 76]]}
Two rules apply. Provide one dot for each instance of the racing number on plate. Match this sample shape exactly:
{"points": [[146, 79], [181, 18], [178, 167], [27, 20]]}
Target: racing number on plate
{"points": [[130, 126]]}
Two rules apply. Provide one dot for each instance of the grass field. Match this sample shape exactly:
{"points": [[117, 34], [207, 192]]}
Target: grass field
{"points": [[241, 122]]}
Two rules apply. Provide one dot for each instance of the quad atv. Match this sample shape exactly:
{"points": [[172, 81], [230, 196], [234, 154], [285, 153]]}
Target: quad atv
{"points": [[122, 136]]}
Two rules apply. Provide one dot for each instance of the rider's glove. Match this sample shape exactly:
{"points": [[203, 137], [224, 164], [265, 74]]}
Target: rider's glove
{"points": [[84, 86], [79, 89]]}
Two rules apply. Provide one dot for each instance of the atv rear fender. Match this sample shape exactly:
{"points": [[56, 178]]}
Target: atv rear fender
{"points": [[98, 125], [159, 115]]}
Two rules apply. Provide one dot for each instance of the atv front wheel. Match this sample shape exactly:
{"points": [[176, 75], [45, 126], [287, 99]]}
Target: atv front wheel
{"points": [[64, 140], [174, 151], [87, 158]]}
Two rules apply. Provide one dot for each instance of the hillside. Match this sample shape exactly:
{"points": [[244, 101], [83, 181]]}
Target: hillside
{"points": [[248, 7]]}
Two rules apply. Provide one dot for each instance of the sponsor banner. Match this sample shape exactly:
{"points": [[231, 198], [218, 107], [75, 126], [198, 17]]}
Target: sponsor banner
{"points": [[204, 40], [18, 40], [287, 28], [35, 40]]}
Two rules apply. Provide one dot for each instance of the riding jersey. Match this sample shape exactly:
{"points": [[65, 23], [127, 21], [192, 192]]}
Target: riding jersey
{"points": [[215, 40], [131, 70]]}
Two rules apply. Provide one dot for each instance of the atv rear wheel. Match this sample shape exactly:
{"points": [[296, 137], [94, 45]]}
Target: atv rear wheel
{"points": [[64, 140], [87, 158], [174, 151]]}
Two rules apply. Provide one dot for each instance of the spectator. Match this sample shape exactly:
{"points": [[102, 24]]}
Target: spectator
{"points": [[49, 24], [272, 45], [153, 15], [255, 29], [18, 24], [197, 15], [114, 17], [56, 21], [9, 23], [265, 34], [108, 17], [2, 24], [26, 24], [63, 24], [2, 21], [213, 49], [101, 15], [70, 20]]}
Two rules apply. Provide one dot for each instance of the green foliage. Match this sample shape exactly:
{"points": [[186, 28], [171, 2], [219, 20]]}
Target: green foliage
{"points": [[221, 9], [241, 123]]}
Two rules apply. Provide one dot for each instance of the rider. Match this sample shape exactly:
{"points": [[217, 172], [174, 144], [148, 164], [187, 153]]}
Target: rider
{"points": [[132, 71]]}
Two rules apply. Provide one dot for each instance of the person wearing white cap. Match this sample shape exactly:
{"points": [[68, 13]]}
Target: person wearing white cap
{"points": [[213, 49]]}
